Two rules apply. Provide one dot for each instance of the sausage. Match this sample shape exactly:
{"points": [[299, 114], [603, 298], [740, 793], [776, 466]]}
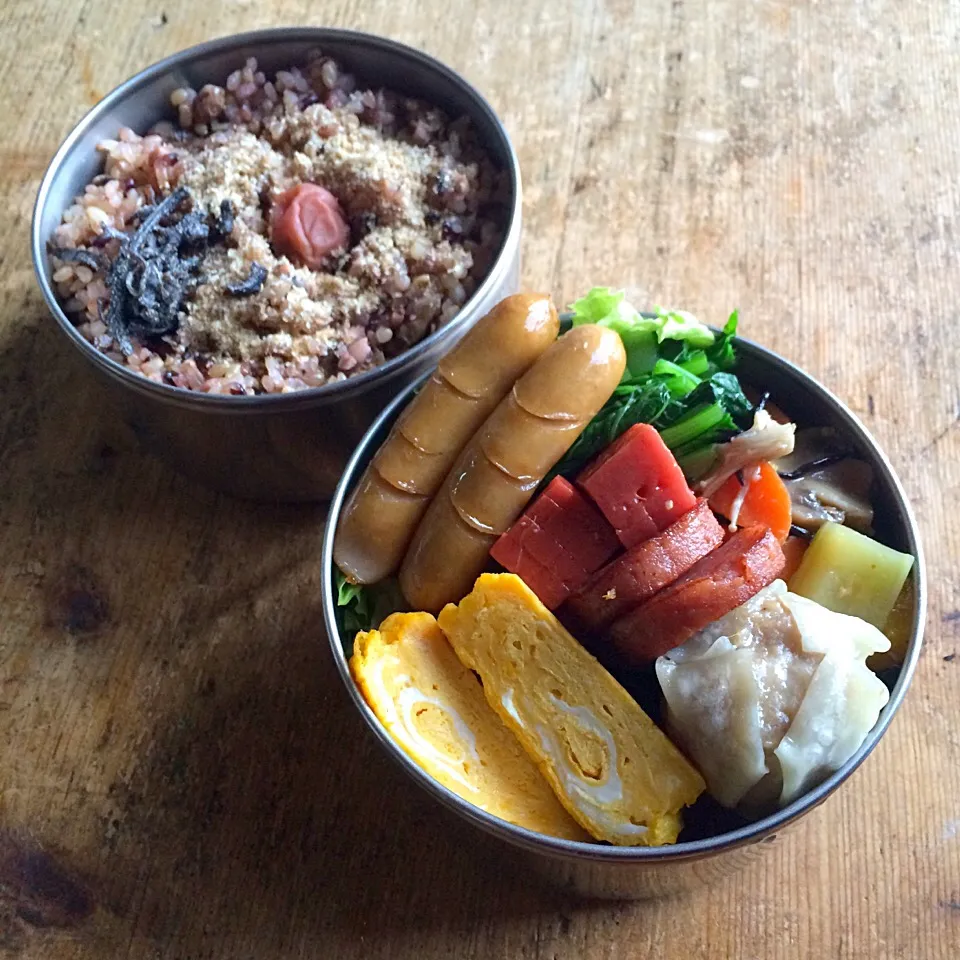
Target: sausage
{"points": [[379, 529], [428, 575], [715, 585], [499, 469], [307, 224], [403, 464], [648, 567], [468, 384]]}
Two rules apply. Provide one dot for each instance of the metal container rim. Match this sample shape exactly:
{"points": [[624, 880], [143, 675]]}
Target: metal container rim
{"points": [[593, 852], [328, 393]]}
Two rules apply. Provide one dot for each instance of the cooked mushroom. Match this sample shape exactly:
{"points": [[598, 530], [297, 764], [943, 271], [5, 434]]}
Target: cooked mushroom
{"points": [[826, 483], [765, 440]]}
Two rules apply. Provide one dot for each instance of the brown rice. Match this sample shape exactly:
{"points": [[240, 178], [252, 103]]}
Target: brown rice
{"points": [[423, 202]]}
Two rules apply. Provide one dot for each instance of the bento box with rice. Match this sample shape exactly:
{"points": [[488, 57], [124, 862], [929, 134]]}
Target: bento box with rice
{"points": [[283, 232]]}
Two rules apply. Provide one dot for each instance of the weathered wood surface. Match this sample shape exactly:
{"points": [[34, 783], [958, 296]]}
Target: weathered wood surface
{"points": [[180, 775]]}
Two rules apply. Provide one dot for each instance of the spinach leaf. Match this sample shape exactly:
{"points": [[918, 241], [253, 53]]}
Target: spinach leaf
{"points": [[678, 379], [633, 402]]}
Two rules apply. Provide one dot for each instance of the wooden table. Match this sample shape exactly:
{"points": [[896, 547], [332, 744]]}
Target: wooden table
{"points": [[181, 775]]}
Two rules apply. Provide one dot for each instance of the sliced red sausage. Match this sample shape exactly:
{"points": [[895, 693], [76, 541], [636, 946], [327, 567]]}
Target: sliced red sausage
{"points": [[650, 566], [714, 586], [638, 485], [511, 553], [307, 224], [563, 535]]}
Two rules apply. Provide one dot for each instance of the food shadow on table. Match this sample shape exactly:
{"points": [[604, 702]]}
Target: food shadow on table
{"points": [[267, 788], [246, 776]]}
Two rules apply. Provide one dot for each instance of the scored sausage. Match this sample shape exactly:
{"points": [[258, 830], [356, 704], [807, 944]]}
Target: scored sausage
{"points": [[499, 469], [307, 224], [650, 566], [417, 455], [379, 529], [715, 585]]}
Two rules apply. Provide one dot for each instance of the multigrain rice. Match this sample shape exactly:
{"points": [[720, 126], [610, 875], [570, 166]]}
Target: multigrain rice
{"points": [[423, 202]]}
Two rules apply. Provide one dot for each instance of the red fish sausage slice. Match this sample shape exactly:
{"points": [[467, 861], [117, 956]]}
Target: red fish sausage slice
{"points": [[650, 566], [468, 384], [714, 586], [638, 485], [558, 544], [307, 224], [509, 551], [496, 473]]}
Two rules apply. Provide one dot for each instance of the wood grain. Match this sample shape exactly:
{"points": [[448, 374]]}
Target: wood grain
{"points": [[181, 775]]}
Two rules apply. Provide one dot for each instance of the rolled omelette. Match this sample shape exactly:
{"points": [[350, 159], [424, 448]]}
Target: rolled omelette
{"points": [[434, 709], [612, 768]]}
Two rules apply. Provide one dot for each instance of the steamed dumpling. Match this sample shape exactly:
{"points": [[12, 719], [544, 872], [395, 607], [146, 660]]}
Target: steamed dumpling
{"points": [[772, 697]]}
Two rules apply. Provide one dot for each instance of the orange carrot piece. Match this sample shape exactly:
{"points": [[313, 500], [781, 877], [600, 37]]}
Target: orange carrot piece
{"points": [[767, 502]]}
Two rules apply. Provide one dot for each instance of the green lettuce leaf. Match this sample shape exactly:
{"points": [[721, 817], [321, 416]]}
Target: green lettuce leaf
{"points": [[365, 606], [641, 334]]}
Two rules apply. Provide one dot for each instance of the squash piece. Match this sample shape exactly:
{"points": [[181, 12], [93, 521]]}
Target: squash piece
{"points": [[434, 709], [612, 768], [849, 573]]}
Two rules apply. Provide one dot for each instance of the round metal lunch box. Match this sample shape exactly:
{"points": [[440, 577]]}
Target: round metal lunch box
{"points": [[279, 447], [597, 870]]}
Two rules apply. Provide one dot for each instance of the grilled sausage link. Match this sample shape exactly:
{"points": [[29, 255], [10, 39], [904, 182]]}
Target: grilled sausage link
{"points": [[499, 469], [389, 501]]}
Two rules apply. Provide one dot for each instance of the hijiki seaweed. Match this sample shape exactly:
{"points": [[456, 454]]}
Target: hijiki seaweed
{"points": [[156, 267], [250, 286]]}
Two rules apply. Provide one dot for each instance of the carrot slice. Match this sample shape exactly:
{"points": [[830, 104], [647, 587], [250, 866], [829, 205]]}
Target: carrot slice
{"points": [[766, 504]]}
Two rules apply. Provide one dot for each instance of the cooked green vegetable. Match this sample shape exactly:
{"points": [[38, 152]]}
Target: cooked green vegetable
{"points": [[641, 335], [677, 380], [364, 606], [699, 421], [848, 572]]}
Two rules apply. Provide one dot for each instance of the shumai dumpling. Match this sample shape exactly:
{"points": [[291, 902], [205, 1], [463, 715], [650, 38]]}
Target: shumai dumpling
{"points": [[772, 697]]}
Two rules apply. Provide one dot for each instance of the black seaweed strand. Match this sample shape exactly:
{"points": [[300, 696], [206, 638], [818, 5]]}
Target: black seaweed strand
{"points": [[89, 258], [157, 266], [819, 464], [227, 217], [250, 286]]}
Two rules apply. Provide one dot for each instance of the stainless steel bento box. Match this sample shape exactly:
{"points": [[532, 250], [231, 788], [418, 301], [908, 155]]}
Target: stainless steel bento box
{"points": [[631, 872], [289, 446]]}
